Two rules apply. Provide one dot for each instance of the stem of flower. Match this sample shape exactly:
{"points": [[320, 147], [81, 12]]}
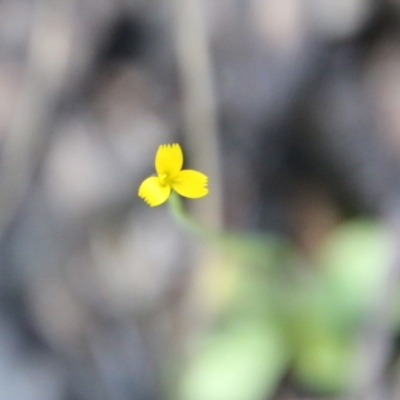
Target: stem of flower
{"points": [[258, 247], [184, 219]]}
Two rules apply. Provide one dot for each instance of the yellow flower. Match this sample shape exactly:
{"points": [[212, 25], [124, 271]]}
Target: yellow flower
{"points": [[188, 183]]}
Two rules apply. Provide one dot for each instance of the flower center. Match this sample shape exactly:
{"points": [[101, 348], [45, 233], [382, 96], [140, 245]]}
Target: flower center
{"points": [[163, 179]]}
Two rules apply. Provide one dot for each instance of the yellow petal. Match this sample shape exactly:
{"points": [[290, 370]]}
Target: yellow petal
{"points": [[190, 183], [169, 160], [152, 192]]}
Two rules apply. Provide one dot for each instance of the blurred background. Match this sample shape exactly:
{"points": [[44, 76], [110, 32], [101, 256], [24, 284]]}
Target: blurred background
{"points": [[292, 108]]}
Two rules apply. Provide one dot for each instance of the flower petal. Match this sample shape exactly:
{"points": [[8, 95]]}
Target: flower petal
{"points": [[169, 159], [190, 183], [152, 192]]}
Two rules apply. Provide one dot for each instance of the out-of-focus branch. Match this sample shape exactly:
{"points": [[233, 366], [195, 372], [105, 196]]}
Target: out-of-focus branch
{"points": [[199, 103], [48, 55]]}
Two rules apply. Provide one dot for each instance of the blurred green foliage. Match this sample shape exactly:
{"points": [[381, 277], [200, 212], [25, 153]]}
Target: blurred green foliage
{"points": [[289, 316]]}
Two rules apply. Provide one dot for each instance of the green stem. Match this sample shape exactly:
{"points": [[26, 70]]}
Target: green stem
{"points": [[248, 246], [184, 219]]}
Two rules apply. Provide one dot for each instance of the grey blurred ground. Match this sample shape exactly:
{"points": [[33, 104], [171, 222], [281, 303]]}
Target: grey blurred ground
{"points": [[95, 287]]}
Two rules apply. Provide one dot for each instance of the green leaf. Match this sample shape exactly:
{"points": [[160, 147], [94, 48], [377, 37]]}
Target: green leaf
{"points": [[325, 364], [243, 362], [354, 261]]}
